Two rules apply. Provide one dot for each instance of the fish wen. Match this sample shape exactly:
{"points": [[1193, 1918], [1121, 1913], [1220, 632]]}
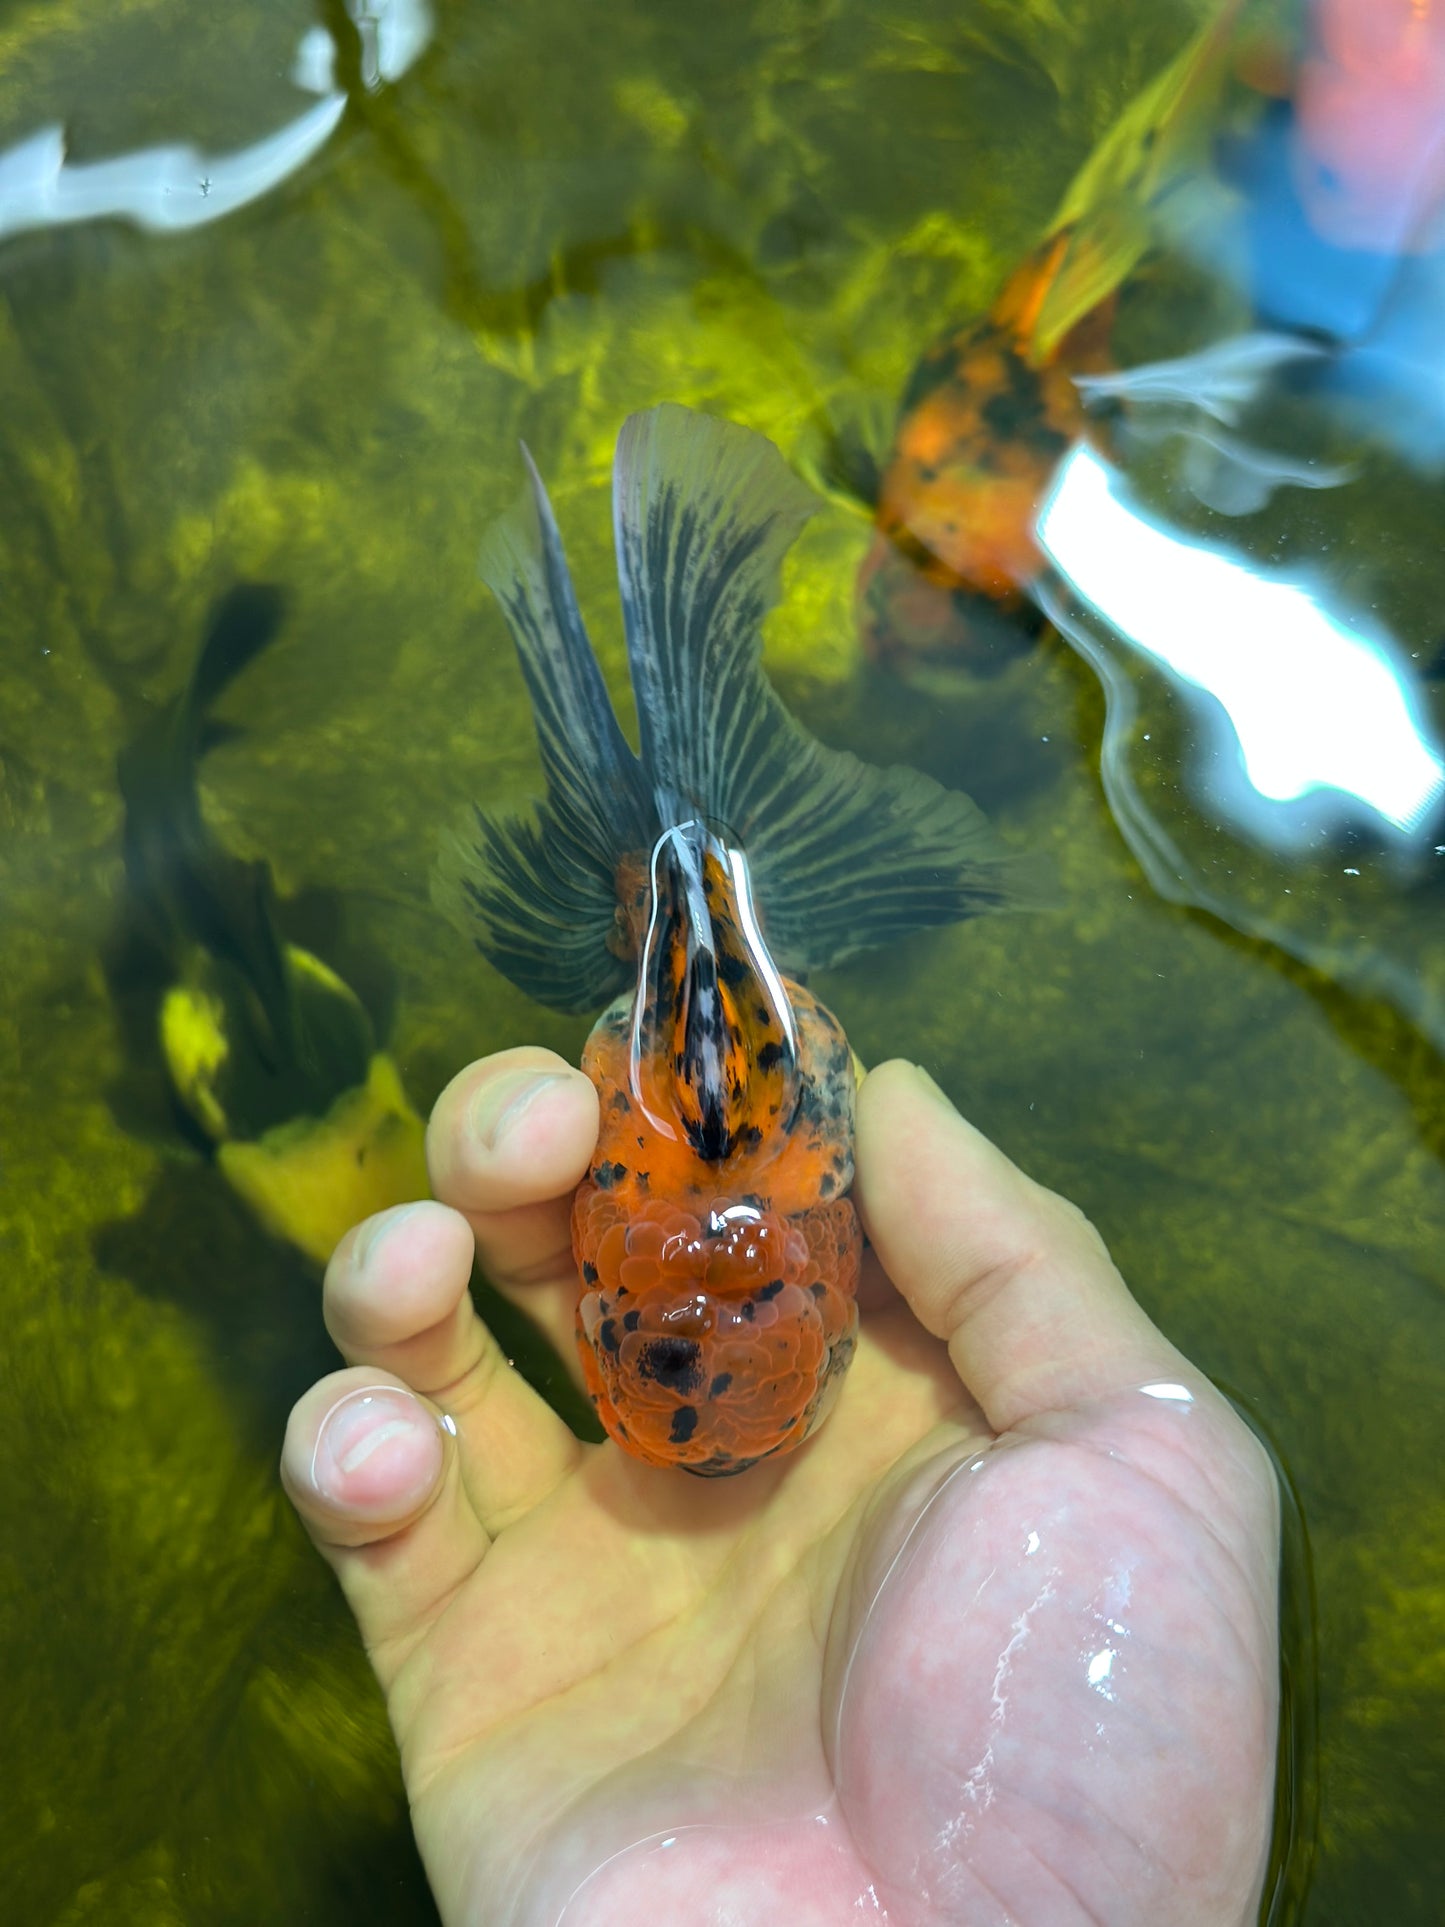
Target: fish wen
{"points": [[687, 890]]}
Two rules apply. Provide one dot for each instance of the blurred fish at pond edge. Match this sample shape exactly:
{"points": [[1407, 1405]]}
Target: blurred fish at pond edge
{"points": [[267, 1049], [688, 890], [982, 431], [991, 410]]}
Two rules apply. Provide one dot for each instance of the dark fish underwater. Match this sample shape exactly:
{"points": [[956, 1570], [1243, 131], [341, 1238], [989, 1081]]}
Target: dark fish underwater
{"points": [[688, 890], [269, 1052]]}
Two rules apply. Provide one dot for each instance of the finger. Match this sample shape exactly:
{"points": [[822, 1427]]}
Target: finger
{"points": [[508, 1143], [375, 1478], [396, 1299], [1014, 1278]]}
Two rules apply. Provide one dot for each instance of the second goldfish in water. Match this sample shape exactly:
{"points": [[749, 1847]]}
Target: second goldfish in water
{"points": [[686, 891]]}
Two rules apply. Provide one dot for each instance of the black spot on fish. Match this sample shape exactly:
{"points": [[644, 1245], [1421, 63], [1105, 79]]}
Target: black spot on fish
{"points": [[819, 1290], [606, 1175], [590, 1272], [732, 970], [607, 1335], [827, 1185], [749, 1310], [684, 1424], [935, 368], [770, 1290], [720, 1466], [674, 1363], [620, 1101], [632, 1319], [719, 1384], [764, 1016], [770, 1055]]}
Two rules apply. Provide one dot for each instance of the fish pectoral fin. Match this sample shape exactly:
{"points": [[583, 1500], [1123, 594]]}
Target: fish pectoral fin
{"points": [[538, 903], [845, 450]]}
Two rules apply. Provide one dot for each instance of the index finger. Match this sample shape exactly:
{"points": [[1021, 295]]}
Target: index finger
{"points": [[1014, 1279], [509, 1141]]}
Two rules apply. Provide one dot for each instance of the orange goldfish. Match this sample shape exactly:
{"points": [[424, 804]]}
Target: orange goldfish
{"points": [[687, 889], [983, 426], [992, 409]]}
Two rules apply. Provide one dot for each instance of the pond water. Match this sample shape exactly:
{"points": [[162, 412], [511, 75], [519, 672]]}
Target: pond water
{"points": [[300, 348]]}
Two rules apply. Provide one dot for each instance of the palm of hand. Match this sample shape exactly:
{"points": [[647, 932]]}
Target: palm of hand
{"points": [[924, 1671]]}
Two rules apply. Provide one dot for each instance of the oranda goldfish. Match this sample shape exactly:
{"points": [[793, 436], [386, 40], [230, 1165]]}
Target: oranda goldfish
{"points": [[687, 889], [983, 425], [992, 409]]}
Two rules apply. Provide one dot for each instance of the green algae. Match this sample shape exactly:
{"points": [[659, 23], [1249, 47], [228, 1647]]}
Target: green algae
{"points": [[563, 213]]}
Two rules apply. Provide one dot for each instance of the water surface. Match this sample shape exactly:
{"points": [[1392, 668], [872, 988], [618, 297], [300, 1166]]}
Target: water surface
{"points": [[527, 222]]}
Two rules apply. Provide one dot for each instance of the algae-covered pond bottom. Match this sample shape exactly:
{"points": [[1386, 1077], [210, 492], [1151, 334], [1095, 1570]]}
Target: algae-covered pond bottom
{"points": [[526, 223]]}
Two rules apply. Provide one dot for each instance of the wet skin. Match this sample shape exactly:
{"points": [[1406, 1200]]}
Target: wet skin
{"points": [[997, 1644]]}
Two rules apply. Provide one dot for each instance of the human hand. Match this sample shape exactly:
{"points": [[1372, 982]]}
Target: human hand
{"points": [[997, 1644]]}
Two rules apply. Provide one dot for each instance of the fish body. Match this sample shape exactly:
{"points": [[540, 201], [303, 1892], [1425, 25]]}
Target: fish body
{"points": [[991, 410], [982, 429], [269, 1052], [687, 890], [717, 1243]]}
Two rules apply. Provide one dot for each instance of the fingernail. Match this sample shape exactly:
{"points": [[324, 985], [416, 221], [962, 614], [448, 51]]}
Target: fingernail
{"points": [[498, 1107], [379, 1445], [935, 1091], [372, 1235]]}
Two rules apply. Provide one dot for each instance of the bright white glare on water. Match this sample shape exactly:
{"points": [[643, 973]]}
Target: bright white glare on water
{"points": [[1314, 704], [172, 188]]}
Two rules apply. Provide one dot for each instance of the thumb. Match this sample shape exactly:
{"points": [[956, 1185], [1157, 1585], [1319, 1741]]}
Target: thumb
{"points": [[1012, 1277]]}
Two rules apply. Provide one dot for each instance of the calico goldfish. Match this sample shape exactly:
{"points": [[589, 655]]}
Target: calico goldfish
{"points": [[992, 409], [687, 889], [982, 428]]}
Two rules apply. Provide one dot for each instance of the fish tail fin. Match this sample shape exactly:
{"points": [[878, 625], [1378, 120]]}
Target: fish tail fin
{"points": [[539, 894], [844, 856], [245, 621], [193, 890]]}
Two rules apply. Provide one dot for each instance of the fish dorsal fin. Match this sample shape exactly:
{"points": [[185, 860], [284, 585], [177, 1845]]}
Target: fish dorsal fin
{"points": [[843, 856]]}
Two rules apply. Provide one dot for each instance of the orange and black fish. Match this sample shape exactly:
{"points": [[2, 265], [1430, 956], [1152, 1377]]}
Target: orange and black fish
{"points": [[982, 428], [991, 410], [688, 889]]}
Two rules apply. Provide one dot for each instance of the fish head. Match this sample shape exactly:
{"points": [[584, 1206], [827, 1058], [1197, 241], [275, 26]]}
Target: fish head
{"points": [[714, 1061]]}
